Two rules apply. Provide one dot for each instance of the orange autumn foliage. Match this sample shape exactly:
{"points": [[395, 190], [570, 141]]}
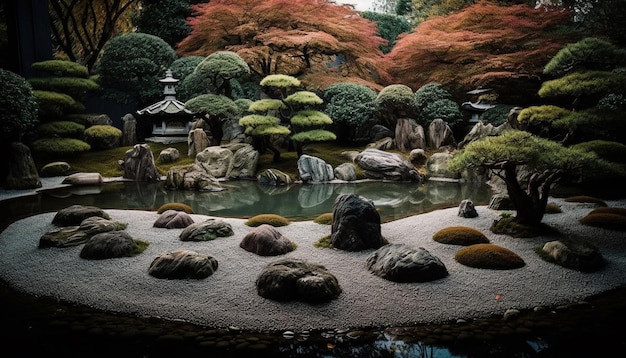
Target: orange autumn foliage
{"points": [[293, 37], [484, 45]]}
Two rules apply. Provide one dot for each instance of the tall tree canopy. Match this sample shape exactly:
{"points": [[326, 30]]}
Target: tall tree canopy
{"points": [[294, 37], [487, 45], [166, 19], [80, 29]]}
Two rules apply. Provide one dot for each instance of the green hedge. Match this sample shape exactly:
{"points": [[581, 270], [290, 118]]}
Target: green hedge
{"points": [[60, 146], [61, 129]]}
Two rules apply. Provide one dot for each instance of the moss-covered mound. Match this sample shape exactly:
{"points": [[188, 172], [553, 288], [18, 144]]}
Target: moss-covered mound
{"points": [[489, 256], [508, 226], [460, 235], [175, 206], [609, 210], [585, 199], [324, 219], [553, 208], [270, 219], [605, 220]]}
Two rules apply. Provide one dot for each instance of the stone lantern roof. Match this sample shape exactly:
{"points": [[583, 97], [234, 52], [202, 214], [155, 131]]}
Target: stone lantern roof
{"points": [[169, 105]]}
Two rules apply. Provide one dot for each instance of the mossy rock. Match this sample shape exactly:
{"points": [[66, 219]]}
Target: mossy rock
{"points": [[605, 221], [460, 235], [585, 199], [573, 254], [175, 206], [270, 219], [324, 219], [489, 256], [508, 226]]}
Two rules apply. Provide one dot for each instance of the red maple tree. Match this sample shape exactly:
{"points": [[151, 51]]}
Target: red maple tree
{"points": [[484, 45], [293, 37]]}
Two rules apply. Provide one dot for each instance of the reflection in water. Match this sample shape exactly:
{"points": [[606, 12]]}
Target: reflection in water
{"points": [[248, 198]]}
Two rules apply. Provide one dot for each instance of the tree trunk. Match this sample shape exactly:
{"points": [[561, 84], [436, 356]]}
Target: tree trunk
{"points": [[217, 133], [528, 211]]}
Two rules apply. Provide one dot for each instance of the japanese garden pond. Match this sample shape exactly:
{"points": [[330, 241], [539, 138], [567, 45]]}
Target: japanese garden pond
{"points": [[43, 326], [245, 199]]}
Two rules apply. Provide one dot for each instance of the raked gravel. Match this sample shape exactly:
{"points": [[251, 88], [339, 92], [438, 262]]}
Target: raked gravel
{"points": [[229, 296]]}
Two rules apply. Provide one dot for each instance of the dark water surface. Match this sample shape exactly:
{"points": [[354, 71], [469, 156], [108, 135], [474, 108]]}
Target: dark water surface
{"points": [[45, 327]]}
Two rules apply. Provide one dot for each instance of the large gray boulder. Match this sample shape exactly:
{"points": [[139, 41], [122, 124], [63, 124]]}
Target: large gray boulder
{"points": [[409, 135], [197, 141], [356, 224], [314, 170], [207, 230], [183, 264], [83, 179], [22, 173], [215, 161], [292, 279], [129, 130], [378, 132], [378, 164], [55, 169], [108, 245], [437, 166], [401, 263], [478, 131], [75, 214], [191, 177], [265, 240], [440, 134], [173, 219], [244, 162], [169, 155], [467, 209], [138, 164]]}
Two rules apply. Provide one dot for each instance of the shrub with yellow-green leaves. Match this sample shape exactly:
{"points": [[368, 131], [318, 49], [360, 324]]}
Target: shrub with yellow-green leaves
{"points": [[489, 256], [270, 219], [61, 129], [103, 136], [460, 235]]}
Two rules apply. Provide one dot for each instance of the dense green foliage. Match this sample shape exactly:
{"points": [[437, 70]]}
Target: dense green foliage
{"points": [[18, 107], [132, 65], [351, 106], [102, 136], [611, 151], [61, 68], [60, 146], [56, 105], [389, 27], [61, 129], [214, 105], [589, 53], [496, 115], [165, 19], [219, 68]]}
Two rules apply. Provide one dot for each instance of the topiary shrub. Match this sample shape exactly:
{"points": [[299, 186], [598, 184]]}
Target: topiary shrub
{"points": [[553, 208], [489, 256], [605, 221], [585, 199], [60, 146], [103, 136], [460, 235], [61, 129], [175, 206], [324, 219], [611, 151], [18, 107], [270, 219]]}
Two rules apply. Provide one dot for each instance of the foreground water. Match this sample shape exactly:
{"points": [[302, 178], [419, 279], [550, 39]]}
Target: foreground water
{"points": [[44, 327]]}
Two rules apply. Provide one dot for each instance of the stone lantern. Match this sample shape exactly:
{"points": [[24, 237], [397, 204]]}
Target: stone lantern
{"points": [[169, 117]]}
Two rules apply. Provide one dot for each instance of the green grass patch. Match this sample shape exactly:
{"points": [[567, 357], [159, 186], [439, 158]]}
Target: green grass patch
{"points": [[140, 246]]}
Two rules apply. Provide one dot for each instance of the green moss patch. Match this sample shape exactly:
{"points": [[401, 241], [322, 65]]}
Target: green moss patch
{"points": [[553, 208], [460, 235], [175, 206], [605, 221], [508, 226], [585, 199], [324, 219], [489, 256], [270, 219]]}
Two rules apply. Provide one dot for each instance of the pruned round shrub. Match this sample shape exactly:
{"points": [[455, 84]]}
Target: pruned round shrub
{"points": [[605, 220], [270, 219], [61, 68], [60, 146], [460, 235], [585, 199], [489, 256], [18, 107], [611, 151], [324, 219], [61, 129], [103, 136], [55, 105], [175, 206], [553, 208]]}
